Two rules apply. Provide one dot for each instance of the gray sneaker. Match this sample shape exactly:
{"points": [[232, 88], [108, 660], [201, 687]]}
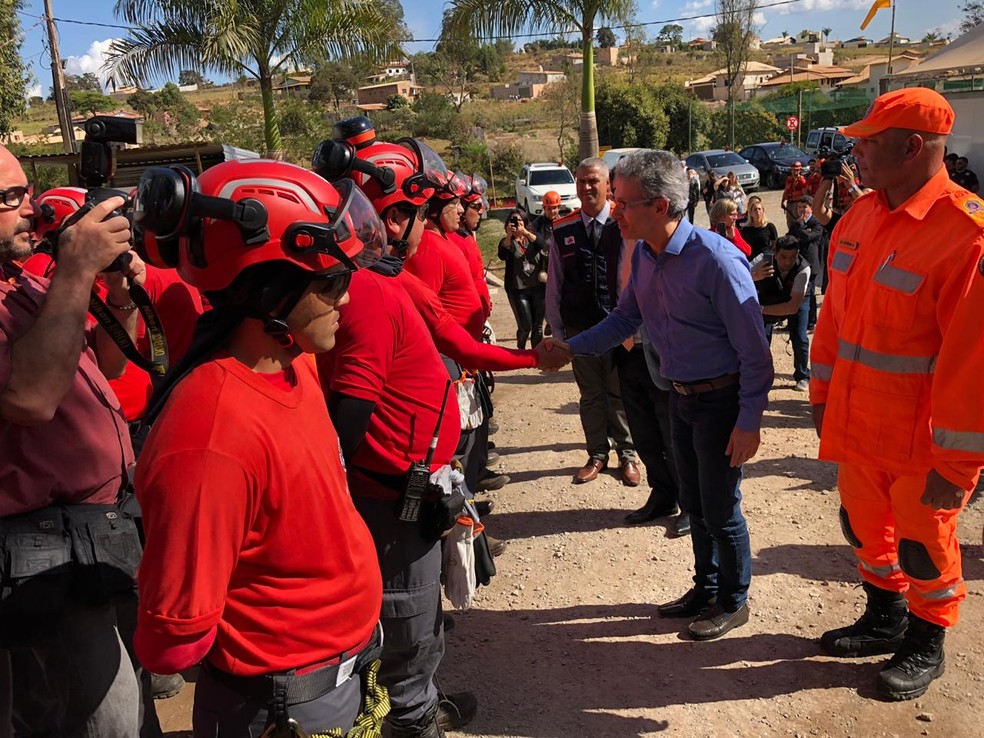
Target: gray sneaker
{"points": [[803, 385]]}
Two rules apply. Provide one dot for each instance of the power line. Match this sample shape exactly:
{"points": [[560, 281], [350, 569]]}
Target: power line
{"points": [[544, 34]]}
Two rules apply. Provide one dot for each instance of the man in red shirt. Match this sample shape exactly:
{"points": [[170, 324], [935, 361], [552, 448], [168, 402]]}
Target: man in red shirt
{"points": [[66, 453], [440, 264], [256, 560], [792, 193]]}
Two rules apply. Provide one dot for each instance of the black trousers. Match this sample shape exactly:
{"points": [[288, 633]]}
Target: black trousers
{"points": [[647, 410], [529, 309]]}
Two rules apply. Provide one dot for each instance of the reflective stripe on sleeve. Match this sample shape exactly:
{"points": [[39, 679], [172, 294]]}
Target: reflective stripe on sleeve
{"points": [[823, 372], [959, 440], [893, 363], [881, 571], [942, 594], [899, 279], [842, 261]]}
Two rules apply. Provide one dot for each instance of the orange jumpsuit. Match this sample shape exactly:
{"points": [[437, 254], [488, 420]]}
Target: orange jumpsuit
{"points": [[898, 360]]}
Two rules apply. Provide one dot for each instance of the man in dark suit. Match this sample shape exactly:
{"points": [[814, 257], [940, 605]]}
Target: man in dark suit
{"points": [[582, 266]]}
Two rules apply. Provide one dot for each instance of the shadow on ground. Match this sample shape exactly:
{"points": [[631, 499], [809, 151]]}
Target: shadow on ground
{"points": [[572, 669]]}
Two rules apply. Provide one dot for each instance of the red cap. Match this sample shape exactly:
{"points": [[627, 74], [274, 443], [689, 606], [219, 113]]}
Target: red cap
{"points": [[551, 198], [914, 108]]}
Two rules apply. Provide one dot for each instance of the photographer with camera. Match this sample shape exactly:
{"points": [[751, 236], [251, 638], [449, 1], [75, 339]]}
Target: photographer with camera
{"points": [[792, 192], [521, 249], [69, 552]]}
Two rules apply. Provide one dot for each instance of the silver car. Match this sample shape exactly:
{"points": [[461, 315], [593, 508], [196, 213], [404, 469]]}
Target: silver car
{"points": [[720, 162]]}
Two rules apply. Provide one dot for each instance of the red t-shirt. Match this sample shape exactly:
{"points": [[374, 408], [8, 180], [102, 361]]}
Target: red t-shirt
{"points": [[442, 267], [178, 304], [473, 256], [250, 526], [453, 340], [83, 453], [382, 354]]}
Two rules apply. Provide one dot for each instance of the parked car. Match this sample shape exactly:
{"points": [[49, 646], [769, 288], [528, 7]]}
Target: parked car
{"points": [[774, 161], [536, 180], [720, 162], [829, 138], [612, 156]]}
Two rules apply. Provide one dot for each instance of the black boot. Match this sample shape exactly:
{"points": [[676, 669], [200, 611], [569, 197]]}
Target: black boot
{"points": [[426, 727], [916, 664], [880, 629]]}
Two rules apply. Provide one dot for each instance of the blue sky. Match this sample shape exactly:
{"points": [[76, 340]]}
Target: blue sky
{"points": [[84, 45]]}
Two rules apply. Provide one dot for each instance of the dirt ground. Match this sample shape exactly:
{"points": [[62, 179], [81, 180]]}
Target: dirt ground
{"points": [[565, 642]]}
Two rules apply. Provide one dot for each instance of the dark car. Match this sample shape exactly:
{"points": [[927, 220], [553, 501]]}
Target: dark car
{"points": [[774, 161]]}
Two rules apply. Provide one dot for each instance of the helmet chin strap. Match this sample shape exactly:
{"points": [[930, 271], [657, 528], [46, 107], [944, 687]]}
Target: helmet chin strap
{"points": [[402, 246], [274, 309]]}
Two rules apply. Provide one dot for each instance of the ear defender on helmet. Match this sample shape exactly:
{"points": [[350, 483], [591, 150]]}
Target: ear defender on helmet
{"points": [[168, 214], [55, 205]]}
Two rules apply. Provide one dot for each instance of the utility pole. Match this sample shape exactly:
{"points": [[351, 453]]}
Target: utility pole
{"points": [[58, 83], [799, 115]]}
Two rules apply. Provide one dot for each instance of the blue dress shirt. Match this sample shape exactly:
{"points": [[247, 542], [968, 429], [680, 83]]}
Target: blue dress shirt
{"points": [[701, 313]]}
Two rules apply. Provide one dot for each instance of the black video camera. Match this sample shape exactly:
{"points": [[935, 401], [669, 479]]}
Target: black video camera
{"points": [[832, 166], [97, 164]]}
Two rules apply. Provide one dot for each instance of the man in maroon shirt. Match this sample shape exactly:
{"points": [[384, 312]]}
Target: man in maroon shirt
{"points": [[66, 458]]}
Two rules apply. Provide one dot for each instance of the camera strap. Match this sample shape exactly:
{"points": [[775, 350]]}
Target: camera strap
{"points": [[157, 362]]}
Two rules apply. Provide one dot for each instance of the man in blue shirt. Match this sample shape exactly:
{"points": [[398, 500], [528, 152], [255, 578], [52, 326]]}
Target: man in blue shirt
{"points": [[693, 291]]}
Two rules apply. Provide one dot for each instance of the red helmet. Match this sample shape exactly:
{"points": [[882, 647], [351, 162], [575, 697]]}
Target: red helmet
{"points": [[55, 205], [405, 172], [477, 188], [241, 213]]}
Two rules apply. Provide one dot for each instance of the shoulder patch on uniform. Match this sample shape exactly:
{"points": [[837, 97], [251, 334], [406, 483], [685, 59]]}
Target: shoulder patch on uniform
{"points": [[569, 218], [973, 206], [980, 266]]}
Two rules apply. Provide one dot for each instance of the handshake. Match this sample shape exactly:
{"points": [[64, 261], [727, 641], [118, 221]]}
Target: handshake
{"points": [[552, 355]]}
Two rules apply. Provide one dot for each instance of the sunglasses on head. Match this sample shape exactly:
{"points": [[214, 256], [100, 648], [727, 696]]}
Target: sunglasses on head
{"points": [[332, 286], [12, 197]]}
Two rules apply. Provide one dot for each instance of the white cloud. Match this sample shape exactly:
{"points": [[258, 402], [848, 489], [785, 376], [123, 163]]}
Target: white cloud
{"points": [[821, 6], [34, 91], [92, 61], [703, 25], [655, 4], [694, 5]]}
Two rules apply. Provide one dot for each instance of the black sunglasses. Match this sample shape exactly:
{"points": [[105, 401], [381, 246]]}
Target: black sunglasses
{"points": [[13, 196], [332, 286]]}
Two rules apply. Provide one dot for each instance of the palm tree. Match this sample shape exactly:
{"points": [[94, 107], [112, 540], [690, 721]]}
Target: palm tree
{"points": [[466, 18], [826, 34], [259, 38]]}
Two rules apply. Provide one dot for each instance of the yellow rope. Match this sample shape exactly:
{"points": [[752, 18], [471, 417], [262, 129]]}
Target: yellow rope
{"points": [[375, 707]]}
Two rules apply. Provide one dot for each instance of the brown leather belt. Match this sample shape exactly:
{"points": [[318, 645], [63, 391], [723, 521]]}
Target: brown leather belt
{"points": [[705, 385]]}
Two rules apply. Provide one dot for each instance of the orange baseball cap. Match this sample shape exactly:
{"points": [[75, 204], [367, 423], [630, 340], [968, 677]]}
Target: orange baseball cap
{"points": [[914, 108], [551, 198]]}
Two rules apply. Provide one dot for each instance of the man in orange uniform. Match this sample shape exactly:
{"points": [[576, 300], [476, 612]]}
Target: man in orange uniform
{"points": [[895, 387]]}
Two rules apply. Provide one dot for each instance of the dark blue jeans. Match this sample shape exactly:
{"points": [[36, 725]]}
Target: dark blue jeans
{"points": [[798, 325], [710, 490]]}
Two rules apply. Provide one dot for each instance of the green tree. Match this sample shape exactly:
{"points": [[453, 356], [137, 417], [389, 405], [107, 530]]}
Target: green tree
{"points": [[631, 115], [606, 38], [13, 73], [671, 33], [258, 38], [754, 123], [87, 101], [563, 102], [469, 18], [87, 81], [826, 33], [334, 82], [973, 15], [689, 121], [188, 77], [434, 113]]}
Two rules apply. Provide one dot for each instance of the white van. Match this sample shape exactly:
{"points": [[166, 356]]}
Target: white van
{"points": [[612, 156]]}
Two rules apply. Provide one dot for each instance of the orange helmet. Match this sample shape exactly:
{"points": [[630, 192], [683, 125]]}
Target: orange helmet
{"points": [[551, 198], [241, 213]]}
